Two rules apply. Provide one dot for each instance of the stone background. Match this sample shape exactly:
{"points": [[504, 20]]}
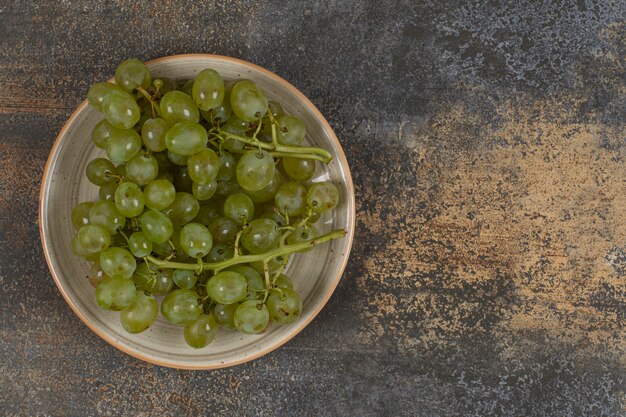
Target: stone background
{"points": [[488, 147]]}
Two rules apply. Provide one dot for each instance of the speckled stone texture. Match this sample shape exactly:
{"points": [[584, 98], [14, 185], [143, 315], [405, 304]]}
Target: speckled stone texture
{"points": [[487, 141]]}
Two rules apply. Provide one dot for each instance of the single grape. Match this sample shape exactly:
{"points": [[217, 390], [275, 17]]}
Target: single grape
{"points": [[248, 101], [115, 293], [159, 194], [182, 180], [120, 109], [94, 238], [180, 307], [219, 252], [186, 138], [177, 106], [227, 287], [260, 236], [187, 87], [291, 198], [225, 315], [184, 208], [162, 282], [255, 170], [142, 168], [228, 187], [96, 275], [140, 314], [201, 332], [178, 160], [196, 240], [129, 199], [223, 230], [139, 244], [301, 234], [275, 216], [96, 93], [107, 191], [239, 208], [251, 317], [101, 133], [99, 171], [184, 278], [207, 212], [123, 145], [283, 281], [163, 249], [322, 196], [268, 192], [203, 166], [205, 191], [253, 280], [167, 85], [77, 248], [156, 226], [290, 130], [153, 134], [285, 305], [105, 214], [227, 167], [208, 89], [117, 262], [132, 74], [80, 214], [219, 114], [299, 169]]}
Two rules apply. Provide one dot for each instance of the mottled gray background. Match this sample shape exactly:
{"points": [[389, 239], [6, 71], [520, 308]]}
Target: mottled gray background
{"points": [[487, 144]]}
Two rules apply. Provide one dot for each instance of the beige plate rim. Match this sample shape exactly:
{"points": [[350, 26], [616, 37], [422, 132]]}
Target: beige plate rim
{"points": [[297, 329]]}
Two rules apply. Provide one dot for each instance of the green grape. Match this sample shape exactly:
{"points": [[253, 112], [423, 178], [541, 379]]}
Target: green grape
{"points": [[322, 196], [132, 74], [220, 252], [273, 265], [105, 214], [120, 109], [223, 230], [227, 166], [145, 106], [159, 194], [208, 89], [248, 101], [96, 275], [291, 199], [115, 293], [180, 307], [184, 278], [142, 168], [153, 134], [101, 133], [203, 166], [276, 108], [186, 138], [163, 249], [80, 214], [120, 170], [299, 169], [227, 287], [96, 93], [141, 314], [268, 192], [314, 216], [187, 87], [253, 280], [94, 238], [302, 234], [165, 165], [196, 240], [218, 114], [180, 253], [283, 281], [139, 244], [236, 126], [207, 212], [233, 145], [167, 85], [184, 208], [129, 199], [260, 236], [201, 332], [117, 262], [205, 191], [239, 208], [77, 248], [177, 106], [182, 180], [178, 160], [99, 171], [123, 145], [284, 306], [251, 317], [162, 282], [156, 226], [225, 315], [107, 191], [275, 216], [255, 170], [290, 130], [228, 187]]}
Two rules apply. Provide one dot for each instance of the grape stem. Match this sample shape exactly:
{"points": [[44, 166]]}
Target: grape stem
{"points": [[264, 257], [156, 111]]}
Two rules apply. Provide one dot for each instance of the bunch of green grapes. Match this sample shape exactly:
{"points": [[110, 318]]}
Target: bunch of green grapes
{"points": [[204, 195]]}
